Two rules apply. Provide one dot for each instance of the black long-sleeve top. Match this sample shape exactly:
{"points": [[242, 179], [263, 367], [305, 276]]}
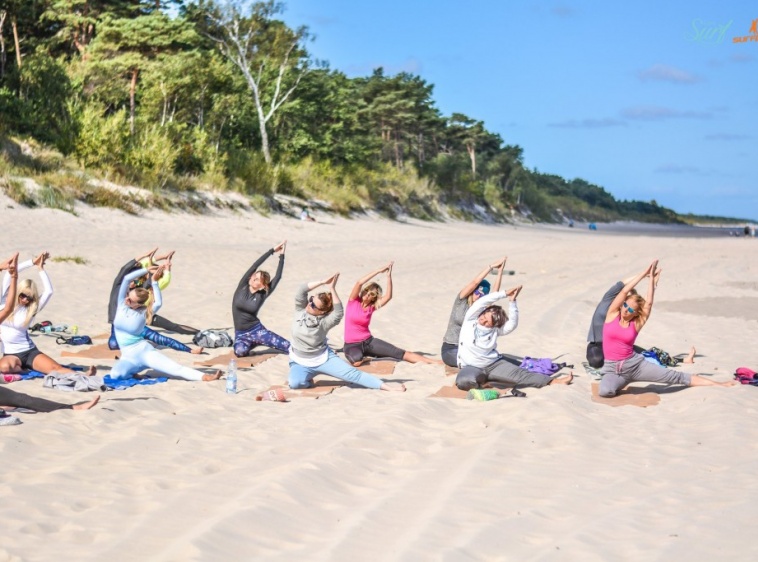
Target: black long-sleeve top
{"points": [[131, 265], [246, 304]]}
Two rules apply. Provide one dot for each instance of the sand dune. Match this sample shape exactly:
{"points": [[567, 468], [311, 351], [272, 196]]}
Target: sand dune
{"points": [[182, 471]]}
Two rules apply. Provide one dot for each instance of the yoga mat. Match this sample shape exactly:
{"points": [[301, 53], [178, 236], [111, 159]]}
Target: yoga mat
{"points": [[378, 367], [323, 387], [630, 396], [224, 358], [449, 392], [99, 351]]}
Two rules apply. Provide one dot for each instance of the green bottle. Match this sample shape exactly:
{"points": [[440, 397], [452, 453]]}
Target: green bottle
{"points": [[483, 394]]}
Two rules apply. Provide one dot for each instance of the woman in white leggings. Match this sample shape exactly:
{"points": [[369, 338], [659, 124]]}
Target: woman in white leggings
{"points": [[131, 317]]}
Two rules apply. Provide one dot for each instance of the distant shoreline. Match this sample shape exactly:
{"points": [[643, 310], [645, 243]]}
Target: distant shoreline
{"points": [[649, 229]]}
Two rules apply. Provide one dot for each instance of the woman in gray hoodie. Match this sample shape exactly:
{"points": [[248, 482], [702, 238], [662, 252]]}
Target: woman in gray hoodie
{"points": [[309, 353]]}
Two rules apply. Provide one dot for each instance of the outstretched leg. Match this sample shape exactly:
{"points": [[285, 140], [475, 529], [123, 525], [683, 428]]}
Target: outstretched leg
{"points": [[46, 365]]}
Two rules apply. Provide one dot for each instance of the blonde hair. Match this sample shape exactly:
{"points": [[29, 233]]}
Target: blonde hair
{"points": [[145, 298], [28, 287], [639, 305], [372, 290]]}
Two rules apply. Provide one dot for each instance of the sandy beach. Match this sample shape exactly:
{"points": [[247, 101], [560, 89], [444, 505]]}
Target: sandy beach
{"points": [[182, 471]]}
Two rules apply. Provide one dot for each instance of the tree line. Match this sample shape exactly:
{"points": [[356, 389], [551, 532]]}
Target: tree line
{"points": [[226, 93]]}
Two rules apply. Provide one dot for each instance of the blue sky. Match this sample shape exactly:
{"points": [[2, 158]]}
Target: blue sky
{"points": [[649, 100]]}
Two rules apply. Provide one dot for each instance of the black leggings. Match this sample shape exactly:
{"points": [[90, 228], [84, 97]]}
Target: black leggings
{"points": [[15, 399], [166, 324], [372, 347]]}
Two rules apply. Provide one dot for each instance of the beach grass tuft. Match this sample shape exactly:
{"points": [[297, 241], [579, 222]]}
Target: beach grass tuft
{"points": [[70, 259]]}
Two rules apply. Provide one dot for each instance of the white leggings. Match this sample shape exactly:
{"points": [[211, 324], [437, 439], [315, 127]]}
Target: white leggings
{"points": [[142, 355]]}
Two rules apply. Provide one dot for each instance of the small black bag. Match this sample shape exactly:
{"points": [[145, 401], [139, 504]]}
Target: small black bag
{"points": [[74, 340]]}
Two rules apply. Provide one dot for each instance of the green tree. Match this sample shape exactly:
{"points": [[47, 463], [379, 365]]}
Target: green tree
{"points": [[125, 47], [271, 56]]}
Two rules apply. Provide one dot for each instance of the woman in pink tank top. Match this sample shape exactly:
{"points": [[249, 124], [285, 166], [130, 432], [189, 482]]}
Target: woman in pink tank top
{"points": [[626, 316], [364, 300]]}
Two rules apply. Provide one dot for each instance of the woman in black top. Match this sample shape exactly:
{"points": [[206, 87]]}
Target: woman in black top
{"points": [[253, 290]]}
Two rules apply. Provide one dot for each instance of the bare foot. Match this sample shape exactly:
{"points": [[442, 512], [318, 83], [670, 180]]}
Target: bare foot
{"points": [[92, 371], [729, 383], [86, 405], [196, 351], [393, 386], [214, 377], [563, 379], [690, 357]]}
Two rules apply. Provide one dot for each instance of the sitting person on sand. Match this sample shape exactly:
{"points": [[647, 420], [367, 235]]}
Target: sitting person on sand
{"points": [[252, 291], [626, 316], [477, 288], [595, 356], [309, 354], [364, 300], [478, 356], [146, 261], [133, 313], [12, 399], [21, 354]]}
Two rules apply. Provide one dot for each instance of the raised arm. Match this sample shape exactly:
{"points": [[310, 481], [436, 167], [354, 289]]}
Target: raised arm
{"points": [[19, 268], [154, 282], [387, 297], [621, 297], [335, 316], [356, 292], [253, 268], [512, 322], [474, 283], [648, 308], [11, 272], [482, 303], [279, 268], [128, 278], [47, 286], [500, 269]]}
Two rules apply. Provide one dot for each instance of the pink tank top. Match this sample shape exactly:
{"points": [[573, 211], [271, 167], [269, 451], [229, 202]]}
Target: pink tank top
{"points": [[357, 320], [618, 342]]}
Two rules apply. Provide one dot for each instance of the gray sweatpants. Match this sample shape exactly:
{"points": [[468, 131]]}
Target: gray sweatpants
{"points": [[617, 374], [500, 371]]}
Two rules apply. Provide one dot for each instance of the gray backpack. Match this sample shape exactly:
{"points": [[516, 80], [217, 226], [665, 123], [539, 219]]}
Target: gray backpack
{"points": [[212, 338]]}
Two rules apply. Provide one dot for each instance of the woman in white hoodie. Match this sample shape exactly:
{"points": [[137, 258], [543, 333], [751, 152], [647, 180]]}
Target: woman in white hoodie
{"points": [[478, 357]]}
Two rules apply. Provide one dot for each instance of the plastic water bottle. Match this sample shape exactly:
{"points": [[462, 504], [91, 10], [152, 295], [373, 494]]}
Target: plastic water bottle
{"points": [[231, 378], [46, 329], [59, 328]]}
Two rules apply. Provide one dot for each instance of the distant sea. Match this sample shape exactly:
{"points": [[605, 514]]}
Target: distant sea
{"points": [[646, 229]]}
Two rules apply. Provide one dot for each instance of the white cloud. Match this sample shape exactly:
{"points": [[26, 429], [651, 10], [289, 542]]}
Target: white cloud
{"points": [[665, 73]]}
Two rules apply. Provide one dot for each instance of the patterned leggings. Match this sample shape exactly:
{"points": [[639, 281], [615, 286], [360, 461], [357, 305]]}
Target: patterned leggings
{"points": [[244, 342]]}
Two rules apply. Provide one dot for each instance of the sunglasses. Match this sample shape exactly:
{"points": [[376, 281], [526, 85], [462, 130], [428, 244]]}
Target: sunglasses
{"points": [[313, 305], [26, 297], [628, 308], [480, 293]]}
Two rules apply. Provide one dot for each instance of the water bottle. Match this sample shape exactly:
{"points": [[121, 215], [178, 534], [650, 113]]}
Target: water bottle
{"points": [[59, 328], [231, 378], [46, 329]]}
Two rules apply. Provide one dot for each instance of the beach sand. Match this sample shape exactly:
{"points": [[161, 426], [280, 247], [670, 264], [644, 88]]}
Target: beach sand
{"points": [[183, 471]]}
